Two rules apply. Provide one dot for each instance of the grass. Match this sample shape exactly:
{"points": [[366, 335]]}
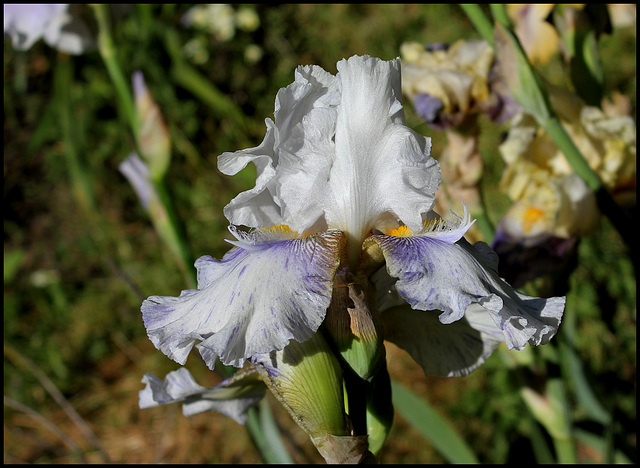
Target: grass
{"points": [[79, 260]]}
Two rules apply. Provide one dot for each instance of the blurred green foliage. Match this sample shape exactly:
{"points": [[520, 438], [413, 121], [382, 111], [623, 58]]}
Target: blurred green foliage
{"points": [[77, 270]]}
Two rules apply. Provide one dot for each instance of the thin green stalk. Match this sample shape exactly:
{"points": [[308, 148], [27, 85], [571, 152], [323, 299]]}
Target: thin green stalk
{"points": [[190, 79], [499, 12], [565, 451], [176, 237], [479, 20], [82, 185], [541, 450], [107, 51], [438, 431], [171, 230]]}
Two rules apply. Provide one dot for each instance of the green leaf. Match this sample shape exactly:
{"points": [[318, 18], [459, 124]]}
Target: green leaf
{"points": [[266, 436], [437, 430], [12, 261]]}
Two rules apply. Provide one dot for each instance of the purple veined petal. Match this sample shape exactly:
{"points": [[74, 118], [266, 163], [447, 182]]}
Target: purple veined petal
{"points": [[268, 290], [180, 386], [435, 272], [441, 350]]}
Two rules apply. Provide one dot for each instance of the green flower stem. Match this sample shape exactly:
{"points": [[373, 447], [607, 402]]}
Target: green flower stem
{"points": [[479, 20], [170, 229], [436, 429], [499, 12], [174, 236], [107, 51], [563, 440]]}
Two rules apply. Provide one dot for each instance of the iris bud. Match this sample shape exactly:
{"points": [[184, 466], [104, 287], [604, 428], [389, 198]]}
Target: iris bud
{"points": [[153, 137]]}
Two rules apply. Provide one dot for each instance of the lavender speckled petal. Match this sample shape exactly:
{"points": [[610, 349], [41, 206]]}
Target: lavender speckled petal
{"points": [[180, 386], [451, 350], [434, 274], [269, 289]]}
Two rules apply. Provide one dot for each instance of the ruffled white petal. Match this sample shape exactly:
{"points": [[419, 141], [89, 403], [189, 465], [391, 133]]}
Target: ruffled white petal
{"points": [[339, 155], [443, 350], [433, 273], [180, 386], [382, 168], [268, 290], [298, 108], [255, 207]]}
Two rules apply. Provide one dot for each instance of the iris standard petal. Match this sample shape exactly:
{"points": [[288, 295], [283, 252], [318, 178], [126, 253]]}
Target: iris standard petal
{"points": [[277, 158], [441, 350], [268, 290], [436, 272], [343, 141], [382, 168], [180, 386]]}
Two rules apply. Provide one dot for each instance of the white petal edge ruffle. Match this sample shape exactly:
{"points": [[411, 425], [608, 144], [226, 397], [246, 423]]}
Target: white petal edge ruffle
{"points": [[313, 88]]}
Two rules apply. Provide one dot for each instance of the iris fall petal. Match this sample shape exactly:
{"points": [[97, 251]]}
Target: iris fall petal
{"points": [[436, 271], [268, 290], [442, 350]]}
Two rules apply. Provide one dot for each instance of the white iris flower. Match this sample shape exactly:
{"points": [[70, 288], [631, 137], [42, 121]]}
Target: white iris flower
{"points": [[342, 181]]}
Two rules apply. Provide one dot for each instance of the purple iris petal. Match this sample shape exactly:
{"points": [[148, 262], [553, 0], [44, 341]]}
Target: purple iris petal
{"points": [[527, 258], [262, 294], [137, 173]]}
